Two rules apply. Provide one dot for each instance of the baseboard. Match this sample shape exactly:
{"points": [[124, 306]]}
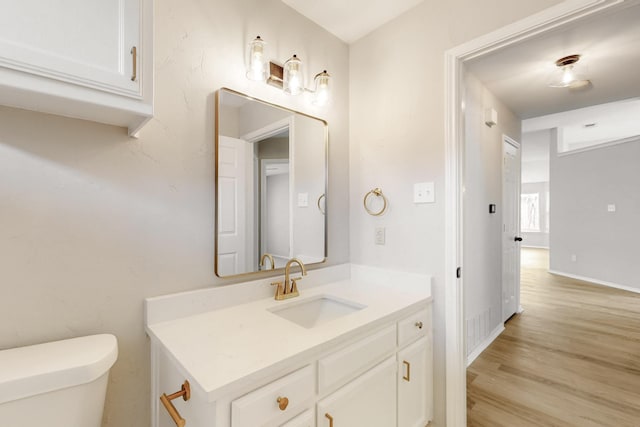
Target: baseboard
{"points": [[596, 281], [484, 344]]}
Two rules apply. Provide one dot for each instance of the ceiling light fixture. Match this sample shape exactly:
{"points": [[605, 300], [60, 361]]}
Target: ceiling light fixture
{"points": [[568, 74], [288, 77]]}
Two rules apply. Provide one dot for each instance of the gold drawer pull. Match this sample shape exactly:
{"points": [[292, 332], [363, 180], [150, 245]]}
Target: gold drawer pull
{"points": [[408, 376], [134, 54], [283, 402], [185, 393], [419, 325], [330, 418]]}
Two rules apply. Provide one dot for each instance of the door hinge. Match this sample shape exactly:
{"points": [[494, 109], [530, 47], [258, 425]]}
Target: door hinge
{"points": [[458, 272]]}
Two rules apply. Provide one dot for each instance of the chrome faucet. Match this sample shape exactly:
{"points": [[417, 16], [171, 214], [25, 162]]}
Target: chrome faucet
{"points": [[289, 288], [270, 258]]}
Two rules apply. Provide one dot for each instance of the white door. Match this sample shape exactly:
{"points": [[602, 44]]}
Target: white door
{"points": [[232, 206], [85, 42], [369, 400], [510, 228]]}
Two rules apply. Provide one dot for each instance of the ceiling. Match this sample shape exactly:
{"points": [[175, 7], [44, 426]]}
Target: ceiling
{"points": [[351, 19], [610, 49]]}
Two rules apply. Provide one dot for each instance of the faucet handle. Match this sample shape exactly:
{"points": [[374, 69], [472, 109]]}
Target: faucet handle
{"points": [[279, 289], [294, 285]]}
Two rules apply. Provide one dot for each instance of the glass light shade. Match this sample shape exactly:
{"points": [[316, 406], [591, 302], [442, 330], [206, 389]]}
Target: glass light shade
{"points": [[293, 78], [569, 74], [322, 91], [256, 68]]}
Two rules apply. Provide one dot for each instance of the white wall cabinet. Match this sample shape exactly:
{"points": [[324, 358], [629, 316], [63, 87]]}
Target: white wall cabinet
{"points": [[89, 59]]}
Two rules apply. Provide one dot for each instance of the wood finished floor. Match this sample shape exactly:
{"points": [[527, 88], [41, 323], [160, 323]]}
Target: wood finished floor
{"points": [[571, 359]]}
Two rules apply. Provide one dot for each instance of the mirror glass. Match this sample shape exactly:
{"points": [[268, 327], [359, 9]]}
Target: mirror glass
{"points": [[271, 174]]}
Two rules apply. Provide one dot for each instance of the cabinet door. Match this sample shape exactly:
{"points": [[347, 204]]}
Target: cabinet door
{"points": [[415, 384], [84, 42], [369, 400], [303, 420]]}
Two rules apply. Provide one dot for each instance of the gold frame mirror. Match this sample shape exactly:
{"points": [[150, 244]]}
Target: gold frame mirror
{"points": [[271, 183]]}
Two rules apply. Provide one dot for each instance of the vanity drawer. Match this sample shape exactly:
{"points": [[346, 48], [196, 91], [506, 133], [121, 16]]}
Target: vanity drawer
{"points": [[345, 364], [261, 406], [414, 326]]}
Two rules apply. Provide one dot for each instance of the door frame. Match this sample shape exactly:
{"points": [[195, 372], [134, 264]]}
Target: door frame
{"points": [[534, 25], [508, 140]]}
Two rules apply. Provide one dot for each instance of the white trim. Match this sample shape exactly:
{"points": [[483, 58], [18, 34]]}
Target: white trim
{"points": [[558, 15], [596, 281], [534, 247], [269, 130], [600, 145], [484, 344]]}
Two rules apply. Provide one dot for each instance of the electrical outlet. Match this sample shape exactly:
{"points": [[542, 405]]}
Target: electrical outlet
{"points": [[574, 258], [611, 208], [379, 236]]}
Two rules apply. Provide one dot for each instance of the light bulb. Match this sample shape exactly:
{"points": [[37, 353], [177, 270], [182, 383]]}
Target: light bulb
{"points": [[322, 92], [293, 79], [256, 69]]}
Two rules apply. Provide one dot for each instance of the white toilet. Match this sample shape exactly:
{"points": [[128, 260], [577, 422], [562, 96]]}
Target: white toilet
{"points": [[56, 384]]}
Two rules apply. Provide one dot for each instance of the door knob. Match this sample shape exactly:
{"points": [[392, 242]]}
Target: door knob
{"points": [[517, 239]]}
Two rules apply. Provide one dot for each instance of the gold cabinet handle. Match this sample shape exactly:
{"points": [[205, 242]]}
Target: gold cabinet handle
{"points": [[408, 376], [419, 325], [185, 393], [134, 54], [330, 418], [283, 402]]}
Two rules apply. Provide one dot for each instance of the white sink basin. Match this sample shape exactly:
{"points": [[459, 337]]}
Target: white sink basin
{"points": [[314, 311]]}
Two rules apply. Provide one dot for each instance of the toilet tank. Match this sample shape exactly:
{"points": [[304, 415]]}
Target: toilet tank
{"points": [[56, 384]]}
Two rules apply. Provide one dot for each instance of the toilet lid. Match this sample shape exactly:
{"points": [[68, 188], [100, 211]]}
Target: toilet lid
{"points": [[41, 368]]}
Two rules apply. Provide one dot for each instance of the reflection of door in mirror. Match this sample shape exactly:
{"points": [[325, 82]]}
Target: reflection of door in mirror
{"points": [[270, 178], [272, 157], [234, 225]]}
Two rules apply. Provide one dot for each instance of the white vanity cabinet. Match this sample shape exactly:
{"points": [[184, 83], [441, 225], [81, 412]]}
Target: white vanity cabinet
{"points": [[380, 378], [415, 384], [249, 366], [369, 400], [90, 59]]}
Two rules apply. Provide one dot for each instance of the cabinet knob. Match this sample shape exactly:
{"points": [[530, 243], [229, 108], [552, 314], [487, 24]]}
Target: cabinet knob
{"points": [[330, 418], [419, 325], [283, 402]]}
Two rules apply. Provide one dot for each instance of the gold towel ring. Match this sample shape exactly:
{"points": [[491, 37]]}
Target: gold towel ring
{"points": [[378, 193], [320, 207]]}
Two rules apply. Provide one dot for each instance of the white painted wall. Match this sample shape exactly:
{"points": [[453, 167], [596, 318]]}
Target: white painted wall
{"points": [[482, 230], [605, 243], [92, 222], [397, 137]]}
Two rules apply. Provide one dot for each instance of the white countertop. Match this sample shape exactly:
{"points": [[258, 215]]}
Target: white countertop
{"points": [[224, 347]]}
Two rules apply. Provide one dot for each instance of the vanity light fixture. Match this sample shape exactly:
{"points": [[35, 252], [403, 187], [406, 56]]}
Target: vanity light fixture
{"points": [[288, 77], [568, 73]]}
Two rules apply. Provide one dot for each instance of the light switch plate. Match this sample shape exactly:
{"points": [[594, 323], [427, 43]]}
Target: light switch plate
{"points": [[424, 192], [303, 200], [611, 208]]}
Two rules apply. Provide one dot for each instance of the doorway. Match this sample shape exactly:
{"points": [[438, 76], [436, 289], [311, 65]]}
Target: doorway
{"points": [[548, 20]]}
